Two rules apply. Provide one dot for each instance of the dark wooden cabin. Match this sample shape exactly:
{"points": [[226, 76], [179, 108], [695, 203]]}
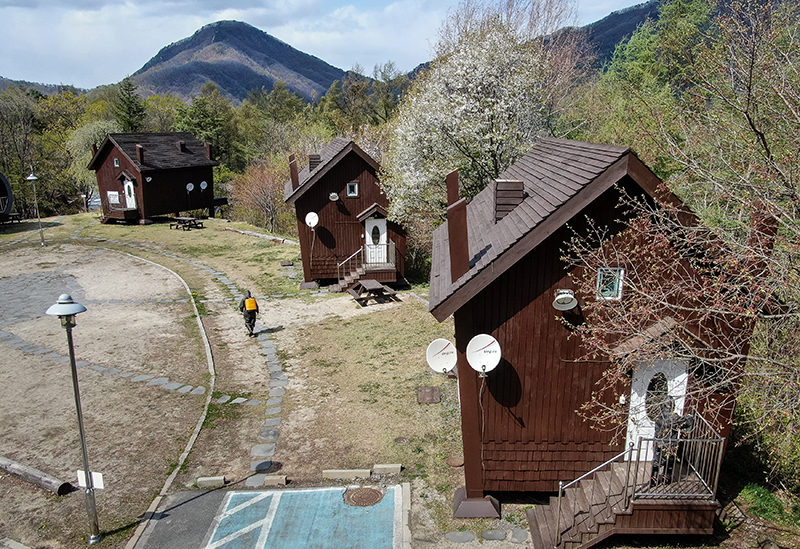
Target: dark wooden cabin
{"points": [[6, 199], [497, 264], [352, 238], [143, 175]]}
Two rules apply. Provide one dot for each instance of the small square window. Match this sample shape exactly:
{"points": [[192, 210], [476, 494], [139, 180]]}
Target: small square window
{"points": [[352, 188], [609, 282], [116, 162]]}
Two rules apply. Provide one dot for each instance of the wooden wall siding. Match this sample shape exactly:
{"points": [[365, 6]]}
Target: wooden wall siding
{"points": [[339, 233], [668, 518], [532, 434]]}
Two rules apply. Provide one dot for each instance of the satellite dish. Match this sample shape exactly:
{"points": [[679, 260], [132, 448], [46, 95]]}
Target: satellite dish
{"points": [[565, 300], [441, 356], [189, 187], [312, 219], [203, 185], [483, 353]]}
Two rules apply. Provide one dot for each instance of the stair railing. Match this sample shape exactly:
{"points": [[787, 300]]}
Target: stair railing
{"points": [[345, 265], [386, 253], [593, 473]]}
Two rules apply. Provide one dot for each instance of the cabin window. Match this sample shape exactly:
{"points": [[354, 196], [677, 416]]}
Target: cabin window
{"points": [[609, 282], [352, 189], [116, 162]]}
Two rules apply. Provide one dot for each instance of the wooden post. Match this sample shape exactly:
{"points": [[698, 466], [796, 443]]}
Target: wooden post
{"points": [[34, 476]]}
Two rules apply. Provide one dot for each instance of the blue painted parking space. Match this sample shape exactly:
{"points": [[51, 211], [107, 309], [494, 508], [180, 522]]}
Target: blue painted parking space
{"points": [[298, 519]]}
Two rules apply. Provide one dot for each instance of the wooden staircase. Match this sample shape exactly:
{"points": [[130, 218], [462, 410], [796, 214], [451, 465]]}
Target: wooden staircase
{"points": [[348, 281], [589, 512]]}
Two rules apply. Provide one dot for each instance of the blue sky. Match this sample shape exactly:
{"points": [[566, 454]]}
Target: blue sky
{"points": [[86, 43]]}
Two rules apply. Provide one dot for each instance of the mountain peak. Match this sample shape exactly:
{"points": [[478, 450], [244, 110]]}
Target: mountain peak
{"points": [[238, 58]]}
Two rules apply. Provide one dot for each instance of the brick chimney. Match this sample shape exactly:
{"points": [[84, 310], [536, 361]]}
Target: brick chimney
{"points": [[457, 229], [140, 154], [508, 194], [209, 151], [293, 172], [314, 160]]}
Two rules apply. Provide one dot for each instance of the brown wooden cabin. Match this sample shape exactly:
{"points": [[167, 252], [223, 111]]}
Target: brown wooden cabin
{"points": [[497, 263], [143, 175], [6, 199], [353, 238]]}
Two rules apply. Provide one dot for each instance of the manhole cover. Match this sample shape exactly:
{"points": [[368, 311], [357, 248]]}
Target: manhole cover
{"points": [[362, 497], [428, 395]]}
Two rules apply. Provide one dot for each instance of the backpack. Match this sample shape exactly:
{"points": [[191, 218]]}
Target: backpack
{"points": [[250, 304]]}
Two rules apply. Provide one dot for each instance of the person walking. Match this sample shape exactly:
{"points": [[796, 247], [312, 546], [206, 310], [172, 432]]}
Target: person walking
{"points": [[249, 307]]}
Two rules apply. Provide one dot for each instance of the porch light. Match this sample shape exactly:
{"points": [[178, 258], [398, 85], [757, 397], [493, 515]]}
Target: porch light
{"points": [[333, 197], [565, 300]]}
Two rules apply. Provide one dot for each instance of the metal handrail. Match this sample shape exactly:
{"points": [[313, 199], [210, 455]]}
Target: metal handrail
{"points": [[562, 487], [339, 265]]}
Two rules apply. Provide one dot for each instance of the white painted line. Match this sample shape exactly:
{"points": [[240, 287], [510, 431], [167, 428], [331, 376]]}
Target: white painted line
{"points": [[273, 508]]}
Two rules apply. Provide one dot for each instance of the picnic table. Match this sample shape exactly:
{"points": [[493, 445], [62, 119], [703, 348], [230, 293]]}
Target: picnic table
{"points": [[371, 289], [14, 216], [186, 223]]}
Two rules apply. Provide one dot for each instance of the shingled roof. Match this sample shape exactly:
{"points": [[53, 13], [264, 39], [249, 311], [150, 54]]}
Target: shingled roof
{"points": [[560, 178], [162, 151], [328, 157]]}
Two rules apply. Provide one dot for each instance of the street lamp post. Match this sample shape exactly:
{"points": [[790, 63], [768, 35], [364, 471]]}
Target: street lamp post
{"points": [[66, 309], [33, 179]]}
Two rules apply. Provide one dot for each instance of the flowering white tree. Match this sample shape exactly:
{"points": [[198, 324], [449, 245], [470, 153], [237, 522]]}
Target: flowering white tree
{"points": [[486, 98]]}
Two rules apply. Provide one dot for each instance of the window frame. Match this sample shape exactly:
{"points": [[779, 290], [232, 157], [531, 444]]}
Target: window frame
{"points": [[354, 194], [619, 275]]}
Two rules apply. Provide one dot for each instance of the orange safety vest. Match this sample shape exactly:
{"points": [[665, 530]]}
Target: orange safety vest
{"points": [[250, 304]]}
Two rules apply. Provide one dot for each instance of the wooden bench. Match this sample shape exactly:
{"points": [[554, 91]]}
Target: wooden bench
{"points": [[371, 289], [186, 223]]}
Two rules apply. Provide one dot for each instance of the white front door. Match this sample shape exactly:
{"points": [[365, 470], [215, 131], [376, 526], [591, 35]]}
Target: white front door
{"points": [[130, 195], [651, 381], [375, 239]]}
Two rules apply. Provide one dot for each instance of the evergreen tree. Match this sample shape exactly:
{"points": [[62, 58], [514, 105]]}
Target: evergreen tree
{"points": [[129, 108]]}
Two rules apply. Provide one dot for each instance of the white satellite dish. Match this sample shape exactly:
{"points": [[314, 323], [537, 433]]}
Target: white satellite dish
{"points": [[203, 185], [483, 353], [189, 187], [312, 219], [441, 356]]}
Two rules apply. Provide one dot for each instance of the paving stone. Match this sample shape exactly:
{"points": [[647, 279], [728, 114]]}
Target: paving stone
{"points": [[19, 344], [276, 368], [497, 535], [519, 535], [82, 363], [111, 371], [126, 374], [277, 391], [260, 466], [460, 537], [158, 381], [274, 401], [269, 433], [278, 383], [252, 403], [238, 400], [198, 391], [63, 360], [172, 386], [223, 399], [255, 481], [185, 389], [263, 450], [279, 375], [272, 422], [42, 351], [141, 377], [97, 368], [272, 411], [272, 358]]}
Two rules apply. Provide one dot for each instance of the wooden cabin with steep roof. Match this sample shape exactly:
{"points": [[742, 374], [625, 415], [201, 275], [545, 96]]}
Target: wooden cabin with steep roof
{"points": [[143, 175], [498, 269], [342, 219]]}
